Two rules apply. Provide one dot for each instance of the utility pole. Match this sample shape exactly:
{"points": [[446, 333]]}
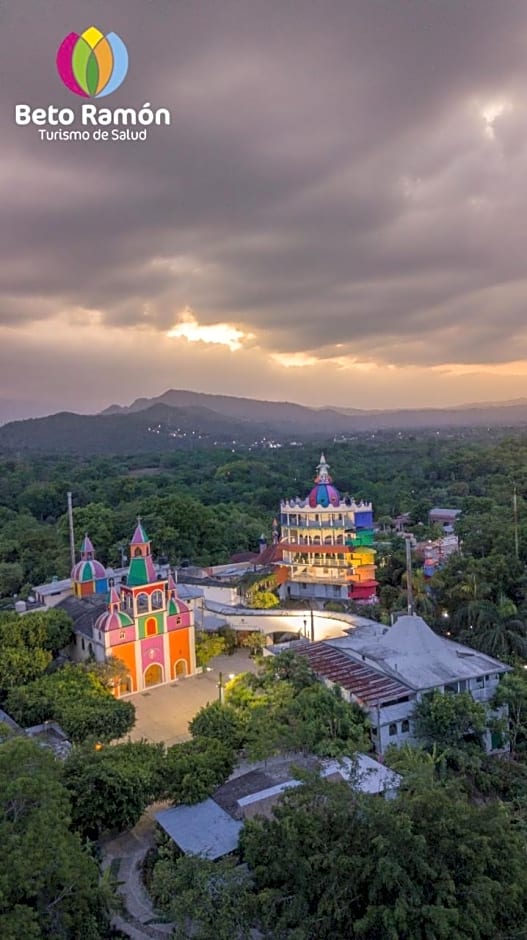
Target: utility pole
{"points": [[515, 518], [409, 585], [72, 532]]}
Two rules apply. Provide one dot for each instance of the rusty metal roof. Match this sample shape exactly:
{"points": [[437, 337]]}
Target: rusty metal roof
{"points": [[365, 684]]}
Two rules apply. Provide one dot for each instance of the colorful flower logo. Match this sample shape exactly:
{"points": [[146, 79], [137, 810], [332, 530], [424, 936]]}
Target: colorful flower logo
{"points": [[91, 64]]}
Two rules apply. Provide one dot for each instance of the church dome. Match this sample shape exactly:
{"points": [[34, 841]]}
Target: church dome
{"points": [[88, 570], [113, 620], [323, 493]]}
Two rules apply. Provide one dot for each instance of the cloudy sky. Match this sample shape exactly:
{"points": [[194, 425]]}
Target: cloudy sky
{"points": [[337, 213]]}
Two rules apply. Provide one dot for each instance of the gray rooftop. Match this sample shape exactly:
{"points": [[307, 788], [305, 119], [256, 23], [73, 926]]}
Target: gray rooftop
{"points": [[364, 773], [53, 587], [84, 611], [205, 829], [412, 653], [228, 796]]}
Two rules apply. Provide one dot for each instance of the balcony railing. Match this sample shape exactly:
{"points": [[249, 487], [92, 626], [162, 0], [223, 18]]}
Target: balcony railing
{"points": [[295, 522]]}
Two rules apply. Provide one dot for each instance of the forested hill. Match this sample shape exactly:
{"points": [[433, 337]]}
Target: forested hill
{"points": [[184, 420], [155, 430]]}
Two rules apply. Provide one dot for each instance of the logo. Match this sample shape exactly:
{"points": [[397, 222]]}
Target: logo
{"points": [[91, 64]]}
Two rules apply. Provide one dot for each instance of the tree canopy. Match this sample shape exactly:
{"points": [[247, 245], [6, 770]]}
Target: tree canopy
{"points": [[284, 708], [77, 699], [49, 884]]}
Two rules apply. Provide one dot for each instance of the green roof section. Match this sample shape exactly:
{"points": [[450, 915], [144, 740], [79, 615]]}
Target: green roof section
{"points": [[137, 574]]}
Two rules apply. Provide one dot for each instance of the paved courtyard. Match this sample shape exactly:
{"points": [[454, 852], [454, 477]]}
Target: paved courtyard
{"points": [[163, 713]]}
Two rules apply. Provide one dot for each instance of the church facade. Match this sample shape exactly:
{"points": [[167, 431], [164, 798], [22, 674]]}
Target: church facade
{"points": [[140, 621]]}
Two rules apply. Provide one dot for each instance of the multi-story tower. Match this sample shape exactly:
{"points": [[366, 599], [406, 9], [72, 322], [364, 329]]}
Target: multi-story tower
{"points": [[327, 544]]}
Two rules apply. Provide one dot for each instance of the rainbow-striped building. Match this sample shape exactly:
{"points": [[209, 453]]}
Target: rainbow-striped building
{"points": [[327, 544]]}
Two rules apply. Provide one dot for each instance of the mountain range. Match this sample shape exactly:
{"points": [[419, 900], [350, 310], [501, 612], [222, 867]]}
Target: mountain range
{"points": [[182, 419]]}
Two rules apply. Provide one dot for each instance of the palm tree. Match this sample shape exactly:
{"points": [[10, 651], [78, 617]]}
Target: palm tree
{"points": [[503, 638], [475, 614], [423, 603]]}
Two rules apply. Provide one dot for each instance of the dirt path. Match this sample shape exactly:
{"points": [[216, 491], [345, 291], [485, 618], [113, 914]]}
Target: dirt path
{"points": [[139, 919]]}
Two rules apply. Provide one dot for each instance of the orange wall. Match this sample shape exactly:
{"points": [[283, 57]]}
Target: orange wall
{"points": [[126, 653], [179, 646]]}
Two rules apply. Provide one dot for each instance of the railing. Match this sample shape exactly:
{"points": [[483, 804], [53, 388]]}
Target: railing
{"points": [[340, 577], [294, 522], [311, 543]]}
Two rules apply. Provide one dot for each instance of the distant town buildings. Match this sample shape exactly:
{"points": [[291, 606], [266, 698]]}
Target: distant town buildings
{"points": [[435, 552], [327, 545], [444, 517]]}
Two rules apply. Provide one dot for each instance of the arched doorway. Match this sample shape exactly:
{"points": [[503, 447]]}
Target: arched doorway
{"points": [[180, 669], [153, 675]]}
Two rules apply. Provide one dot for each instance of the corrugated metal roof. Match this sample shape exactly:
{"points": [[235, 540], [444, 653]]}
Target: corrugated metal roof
{"points": [[205, 829], [364, 683]]}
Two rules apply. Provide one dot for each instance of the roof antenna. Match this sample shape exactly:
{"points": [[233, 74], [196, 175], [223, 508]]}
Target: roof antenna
{"points": [[409, 585]]}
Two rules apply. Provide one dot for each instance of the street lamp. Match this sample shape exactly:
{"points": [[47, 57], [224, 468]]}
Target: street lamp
{"points": [[312, 624], [221, 687]]}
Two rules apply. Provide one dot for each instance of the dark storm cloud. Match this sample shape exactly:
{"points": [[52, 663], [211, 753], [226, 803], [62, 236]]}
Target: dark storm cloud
{"points": [[327, 182]]}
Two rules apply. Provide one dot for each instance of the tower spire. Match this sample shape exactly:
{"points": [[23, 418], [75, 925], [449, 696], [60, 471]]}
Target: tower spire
{"points": [[323, 471], [142, 569]]}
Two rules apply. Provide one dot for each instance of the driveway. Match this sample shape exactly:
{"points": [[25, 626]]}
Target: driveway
{"points": [[163, 713]]}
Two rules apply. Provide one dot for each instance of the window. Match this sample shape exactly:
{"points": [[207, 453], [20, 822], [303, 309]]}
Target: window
{"points": [[83, 644], [137, 553], [463, 685], [451, 687], [480, 682], [151, 627], [142, 603], [405, 726], [157, 600], [392, 729]]}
